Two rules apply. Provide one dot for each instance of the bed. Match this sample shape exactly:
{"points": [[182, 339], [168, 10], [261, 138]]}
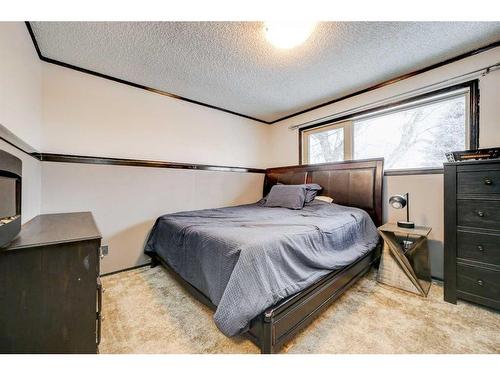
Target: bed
{"points": [[268, 272]]}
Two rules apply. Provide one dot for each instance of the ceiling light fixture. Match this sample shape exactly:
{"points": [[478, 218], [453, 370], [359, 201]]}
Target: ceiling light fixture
{"points": [[288, 34]]}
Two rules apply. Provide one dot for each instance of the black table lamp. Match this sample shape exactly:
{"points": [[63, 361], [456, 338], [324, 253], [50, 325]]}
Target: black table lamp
{"points": [[402, 201]]}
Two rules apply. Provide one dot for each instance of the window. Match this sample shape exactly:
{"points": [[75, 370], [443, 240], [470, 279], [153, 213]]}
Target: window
{"points": [[327, 144], [412, 135]]}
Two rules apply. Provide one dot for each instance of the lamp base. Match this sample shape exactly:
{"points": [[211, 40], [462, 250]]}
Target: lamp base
{"points": [[406, 224]]}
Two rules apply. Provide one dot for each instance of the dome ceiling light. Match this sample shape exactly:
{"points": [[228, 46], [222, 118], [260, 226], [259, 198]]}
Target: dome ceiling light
{"points": [[288, 34]]}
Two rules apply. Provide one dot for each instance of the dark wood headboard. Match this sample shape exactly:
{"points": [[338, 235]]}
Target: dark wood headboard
{"points": [[355, 183]]}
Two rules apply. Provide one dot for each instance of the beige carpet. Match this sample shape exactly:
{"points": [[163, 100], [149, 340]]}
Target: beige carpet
{"points": [[147, 311]]}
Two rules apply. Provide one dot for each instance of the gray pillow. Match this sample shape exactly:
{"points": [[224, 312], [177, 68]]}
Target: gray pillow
{"points": [[287, 196], [311, 191]]}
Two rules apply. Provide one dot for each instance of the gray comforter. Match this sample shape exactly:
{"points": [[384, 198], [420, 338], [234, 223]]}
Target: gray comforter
{"points": [[247, 258]]}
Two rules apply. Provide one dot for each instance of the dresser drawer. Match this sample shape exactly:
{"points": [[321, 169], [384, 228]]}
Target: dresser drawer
{"points": [[478, 182], [478, 281], [478, 213], [478, 247]]}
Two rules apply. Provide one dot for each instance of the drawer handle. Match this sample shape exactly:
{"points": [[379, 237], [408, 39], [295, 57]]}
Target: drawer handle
{"points": [[480, 213], [480, 282], [480, 248], [487, 181]]}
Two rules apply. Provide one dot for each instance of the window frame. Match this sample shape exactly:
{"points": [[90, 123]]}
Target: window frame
{"points": [[346, 126], [472, 114]]}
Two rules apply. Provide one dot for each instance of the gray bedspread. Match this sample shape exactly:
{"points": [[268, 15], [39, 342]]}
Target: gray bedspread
{"points": [[247, 258]]}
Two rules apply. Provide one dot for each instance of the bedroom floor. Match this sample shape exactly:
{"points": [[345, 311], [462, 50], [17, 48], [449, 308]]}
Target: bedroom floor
{"points": [[147, 311]]}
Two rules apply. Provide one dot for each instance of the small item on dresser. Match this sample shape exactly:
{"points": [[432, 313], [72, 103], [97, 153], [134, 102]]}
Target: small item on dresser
{"points": [[402, 201], [481, 154]]}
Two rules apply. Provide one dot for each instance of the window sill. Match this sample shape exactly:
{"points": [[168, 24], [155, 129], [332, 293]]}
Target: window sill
{"points": [[412, 171]]}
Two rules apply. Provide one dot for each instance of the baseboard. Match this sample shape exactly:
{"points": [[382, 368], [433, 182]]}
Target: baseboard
{"points": [[126, 269]]}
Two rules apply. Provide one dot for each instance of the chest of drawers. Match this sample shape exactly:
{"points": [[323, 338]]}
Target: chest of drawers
{"points": [[472, 232], [50, 293]]}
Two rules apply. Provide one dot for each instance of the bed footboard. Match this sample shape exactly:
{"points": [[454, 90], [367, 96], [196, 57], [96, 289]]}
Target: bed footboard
{"points": [[278, 324]]}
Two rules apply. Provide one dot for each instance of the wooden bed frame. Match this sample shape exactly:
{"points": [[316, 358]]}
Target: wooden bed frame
{"points": [[350, 183]]}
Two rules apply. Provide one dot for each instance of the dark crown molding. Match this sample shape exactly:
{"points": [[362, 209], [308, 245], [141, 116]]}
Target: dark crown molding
{"points": [[165, 93], [125, 82], [397, 79]]}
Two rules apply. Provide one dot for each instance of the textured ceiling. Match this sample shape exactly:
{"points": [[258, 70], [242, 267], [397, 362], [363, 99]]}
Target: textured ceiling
{"points": [[231, 65]]}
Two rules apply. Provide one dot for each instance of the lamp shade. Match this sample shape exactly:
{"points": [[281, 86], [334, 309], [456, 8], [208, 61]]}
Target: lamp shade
{"points": [[398, 201], [402, 201]]}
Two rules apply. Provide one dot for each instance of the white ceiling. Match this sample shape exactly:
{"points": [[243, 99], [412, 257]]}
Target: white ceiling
{"points": [[231, 65]]}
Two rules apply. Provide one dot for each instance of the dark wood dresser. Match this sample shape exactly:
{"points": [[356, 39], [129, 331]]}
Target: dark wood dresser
{"points": [[49, 286], [472, 232]]}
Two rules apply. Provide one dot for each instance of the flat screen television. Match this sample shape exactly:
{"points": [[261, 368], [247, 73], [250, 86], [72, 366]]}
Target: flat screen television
{"points": [[10, 197]]}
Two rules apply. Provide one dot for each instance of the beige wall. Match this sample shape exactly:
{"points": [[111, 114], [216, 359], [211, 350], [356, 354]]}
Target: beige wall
{"points": [[489, 108], [126, 201], [87, 115], [426, 191], [20, 103], [20, 83]]}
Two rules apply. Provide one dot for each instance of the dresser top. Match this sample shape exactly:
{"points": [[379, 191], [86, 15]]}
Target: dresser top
{"points": [[469, 162], [52, 229]]}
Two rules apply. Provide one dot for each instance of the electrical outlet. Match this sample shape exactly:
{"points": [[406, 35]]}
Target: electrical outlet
{"points": [[104, 250]]}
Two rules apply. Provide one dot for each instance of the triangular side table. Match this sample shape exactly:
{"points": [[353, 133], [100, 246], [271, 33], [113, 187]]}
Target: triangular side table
{"points": [[405, 258]]}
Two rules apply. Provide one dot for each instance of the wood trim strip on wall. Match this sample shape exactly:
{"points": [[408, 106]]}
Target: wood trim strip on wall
{"points": [[413, 171], [9, 142], [14, 141], [165, 93], [10, 138], [64, 158]]}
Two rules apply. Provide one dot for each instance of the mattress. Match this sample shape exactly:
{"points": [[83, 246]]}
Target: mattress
{"points": [[247, 258]]}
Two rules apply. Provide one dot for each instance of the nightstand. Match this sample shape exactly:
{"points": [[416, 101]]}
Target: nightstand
{"points": [[405, 258]]}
